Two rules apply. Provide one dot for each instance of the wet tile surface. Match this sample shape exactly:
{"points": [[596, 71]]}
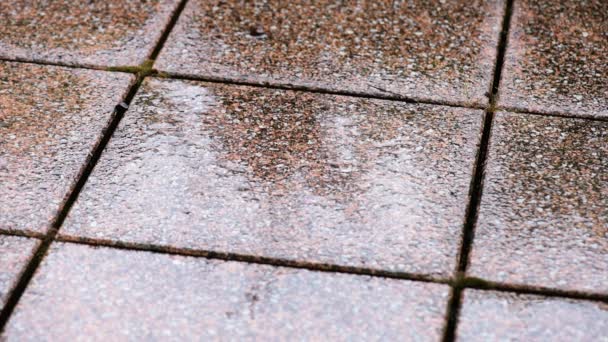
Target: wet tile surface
{"points": [[101, 293], [434, 50], [50, 119], [543, 218], [285, 174], [14, 255], [556, 59], [493, 316], [101, 33]]}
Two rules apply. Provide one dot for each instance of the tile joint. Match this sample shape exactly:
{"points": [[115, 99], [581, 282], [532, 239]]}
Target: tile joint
{"points": [[462, 282], [119, 110], [476, 188]]}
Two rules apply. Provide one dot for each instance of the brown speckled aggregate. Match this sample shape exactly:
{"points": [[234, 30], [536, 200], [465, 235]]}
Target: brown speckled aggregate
{"points": [[285, 174], [557, 58], [15, 252], [103, 294], [494, 316], [50, 119], [432, 50], [543, 218], [101, 33]]}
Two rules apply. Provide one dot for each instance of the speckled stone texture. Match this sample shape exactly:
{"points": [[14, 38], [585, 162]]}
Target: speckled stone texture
{"points": [[494, 316], [556, 58], [50, 119], [99, 33], [103, 294], [433, 50], [285, 174], [14, 255], [543, 219]]}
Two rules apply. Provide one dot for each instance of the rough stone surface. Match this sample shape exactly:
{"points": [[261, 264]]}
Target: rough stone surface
{"points": [[543, 218], [556, 59], [434, 50], [50, 119], [494, 316], [103, 294], [285, 174], [14, 255], [100, 33]]}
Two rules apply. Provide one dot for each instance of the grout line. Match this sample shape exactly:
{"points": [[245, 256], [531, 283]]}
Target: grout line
{"points": [[464, 282], [312, 89], [51, 63], [22, 233], [85, 172], [42, 249], [316, 90], [167, 30], [559, 115], [136, 69], [252, 259], [521, 289], [476, 189]]}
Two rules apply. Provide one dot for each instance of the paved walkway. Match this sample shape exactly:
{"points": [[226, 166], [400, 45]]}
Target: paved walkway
{"points": [[350, 170]]}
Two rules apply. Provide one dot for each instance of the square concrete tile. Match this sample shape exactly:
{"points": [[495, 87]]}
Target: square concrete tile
{"points": [[434, 50], [285, 174], [495, 316], [556, 58], [99, 33], [50, 119], [15, 252], [543, 219], [102, 294]]}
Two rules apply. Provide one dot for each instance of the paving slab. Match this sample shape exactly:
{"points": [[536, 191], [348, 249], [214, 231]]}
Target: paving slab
{"points": [[500, 316], [50, 119], [92, 33], [543, 219], [285, 174], [556, 58], [103, 293], [15, 252], [434, 50]]}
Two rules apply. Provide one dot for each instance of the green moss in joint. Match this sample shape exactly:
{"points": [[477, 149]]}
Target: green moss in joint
{"points": [[144, 69], [473, 282], [133, 69]]}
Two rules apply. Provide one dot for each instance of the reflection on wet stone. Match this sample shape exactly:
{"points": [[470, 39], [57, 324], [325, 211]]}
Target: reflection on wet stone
{"points": [[285, 174]]}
